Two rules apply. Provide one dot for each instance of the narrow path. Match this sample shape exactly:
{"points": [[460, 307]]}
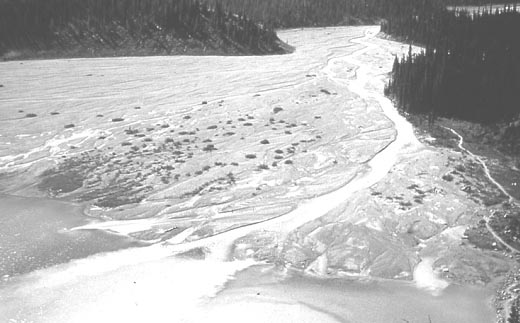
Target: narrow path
{"points": [[497, 184]]}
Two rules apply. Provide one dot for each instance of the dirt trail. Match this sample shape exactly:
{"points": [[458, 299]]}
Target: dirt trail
{"points": [[497, 184]]}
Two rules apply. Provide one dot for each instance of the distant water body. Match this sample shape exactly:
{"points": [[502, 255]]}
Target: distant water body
{"points": [[34, 234]]}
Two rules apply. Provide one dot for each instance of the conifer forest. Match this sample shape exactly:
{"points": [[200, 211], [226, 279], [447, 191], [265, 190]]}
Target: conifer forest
{"points": [[469, 68], [153, 26]]}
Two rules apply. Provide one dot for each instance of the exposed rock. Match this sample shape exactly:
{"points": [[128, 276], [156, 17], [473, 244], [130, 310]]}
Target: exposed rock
{"points": [[347, 248]]}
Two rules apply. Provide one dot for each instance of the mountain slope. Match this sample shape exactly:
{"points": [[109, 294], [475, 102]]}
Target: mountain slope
{"points": [[78, 28]]}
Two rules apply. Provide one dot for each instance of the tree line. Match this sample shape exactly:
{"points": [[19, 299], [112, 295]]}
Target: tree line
{"points": [[469, 69], [310, 13], [39, 24]]}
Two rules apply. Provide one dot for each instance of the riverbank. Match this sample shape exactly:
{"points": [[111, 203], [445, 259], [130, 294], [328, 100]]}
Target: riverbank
{"points": [[498, 229]]}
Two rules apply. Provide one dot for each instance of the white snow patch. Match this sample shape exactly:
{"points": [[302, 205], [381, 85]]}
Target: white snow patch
{"points": [[134, 285], [454, 233], [426, 278]]}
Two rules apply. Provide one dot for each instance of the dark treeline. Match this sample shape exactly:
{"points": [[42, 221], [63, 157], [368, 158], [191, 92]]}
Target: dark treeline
{"points": [[40, 24], [308, 13], [168, 26], [470, 68]]}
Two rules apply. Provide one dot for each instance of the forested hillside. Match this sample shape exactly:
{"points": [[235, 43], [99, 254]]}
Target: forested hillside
{"points": [[68, 28], [308, 13], [470, 68]]}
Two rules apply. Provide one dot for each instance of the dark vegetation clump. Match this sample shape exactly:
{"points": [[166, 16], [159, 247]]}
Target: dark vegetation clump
{"points": [[209, 148], [263, 167], [131, 131], [277, 109], [217, 184], [325, 91], [60, 183], [116, 199], [447, 177]]}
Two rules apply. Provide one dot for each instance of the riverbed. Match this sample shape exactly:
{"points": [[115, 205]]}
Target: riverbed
{"points": [[322, 105]]}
